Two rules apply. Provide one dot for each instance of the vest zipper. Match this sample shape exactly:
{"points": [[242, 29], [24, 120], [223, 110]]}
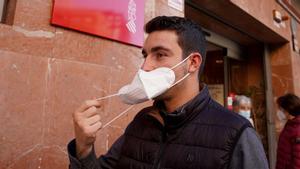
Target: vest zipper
{"points": [[161, 150]]}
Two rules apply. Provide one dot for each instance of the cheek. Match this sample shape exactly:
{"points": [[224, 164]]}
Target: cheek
{"points": [[180, 72], [248, 108]]}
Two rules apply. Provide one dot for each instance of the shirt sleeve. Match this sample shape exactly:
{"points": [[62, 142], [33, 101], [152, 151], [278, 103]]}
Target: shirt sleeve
{"points": [[249, 152], [107, 161]]}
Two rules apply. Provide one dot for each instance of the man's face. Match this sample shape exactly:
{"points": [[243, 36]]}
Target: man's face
{"points": [[244, 106], [161, 49]]}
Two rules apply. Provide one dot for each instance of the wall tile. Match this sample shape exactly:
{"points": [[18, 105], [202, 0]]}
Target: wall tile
{"points": [[22, 105], [71, 83], [19, 40], [34, 15]]}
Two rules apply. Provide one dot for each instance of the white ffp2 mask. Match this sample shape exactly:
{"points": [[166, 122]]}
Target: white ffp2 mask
{"points": [[148, 85]]}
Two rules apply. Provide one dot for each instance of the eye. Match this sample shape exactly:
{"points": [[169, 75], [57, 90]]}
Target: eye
{"points": [[160, 55], [144, 55]]}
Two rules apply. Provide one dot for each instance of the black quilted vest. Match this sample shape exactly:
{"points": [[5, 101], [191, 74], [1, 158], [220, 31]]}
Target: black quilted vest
{"points": [[200, 135]]}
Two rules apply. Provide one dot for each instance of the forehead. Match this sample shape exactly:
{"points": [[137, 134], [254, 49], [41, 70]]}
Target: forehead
{"points": [[245, 103], [168, 39]]}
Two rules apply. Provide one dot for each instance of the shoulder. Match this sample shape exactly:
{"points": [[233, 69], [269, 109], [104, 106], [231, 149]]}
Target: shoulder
{"points": [[253, 152], [249, 140], [292, 127], [289, 134], [223, 116]]}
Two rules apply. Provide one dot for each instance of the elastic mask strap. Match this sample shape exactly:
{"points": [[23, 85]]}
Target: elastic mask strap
{"points": [[121, 114], [185, 76], [118, 116], [105, 97], [180, 62]]}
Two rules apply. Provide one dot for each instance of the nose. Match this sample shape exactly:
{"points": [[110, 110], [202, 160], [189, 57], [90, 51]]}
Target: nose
{"points": [[148, 64]]}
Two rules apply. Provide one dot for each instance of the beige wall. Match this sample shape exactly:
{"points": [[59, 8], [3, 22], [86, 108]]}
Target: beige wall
{"points": [[46, 72]]}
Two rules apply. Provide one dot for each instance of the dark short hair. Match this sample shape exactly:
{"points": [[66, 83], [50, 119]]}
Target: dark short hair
{"points": [[290, 103], [190, 35]]}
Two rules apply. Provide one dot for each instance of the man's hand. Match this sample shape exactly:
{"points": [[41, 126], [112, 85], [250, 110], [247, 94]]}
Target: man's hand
{"points": [[86, 124]]}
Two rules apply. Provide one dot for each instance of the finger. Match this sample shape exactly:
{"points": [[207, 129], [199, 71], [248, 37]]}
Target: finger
{"points": [[92, 120], [90, 112], [96, 126], [87, 104]]}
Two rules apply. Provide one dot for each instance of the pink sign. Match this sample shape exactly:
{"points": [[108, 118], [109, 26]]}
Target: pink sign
{"points": [[120, 20]]}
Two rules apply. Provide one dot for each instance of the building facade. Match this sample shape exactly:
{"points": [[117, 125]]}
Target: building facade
{"points": [[47, 71]]}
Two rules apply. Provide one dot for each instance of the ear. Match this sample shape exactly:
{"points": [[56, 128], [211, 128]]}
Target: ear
{"points": [[195, 62]]}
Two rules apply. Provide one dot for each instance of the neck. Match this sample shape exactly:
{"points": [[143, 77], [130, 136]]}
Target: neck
{"points": [[181, 97]]}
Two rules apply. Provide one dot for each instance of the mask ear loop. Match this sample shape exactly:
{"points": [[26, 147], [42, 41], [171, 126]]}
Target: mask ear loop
{"points": [[181, 62], [118, 116], [105, 97], [185, 76]]}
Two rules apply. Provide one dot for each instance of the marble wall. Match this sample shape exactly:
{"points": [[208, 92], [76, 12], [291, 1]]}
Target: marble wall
{"points": [[263, 12], [47, 72]]}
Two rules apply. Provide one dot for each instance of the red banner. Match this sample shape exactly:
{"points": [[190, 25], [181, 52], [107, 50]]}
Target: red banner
{"points": [[120, 20]]}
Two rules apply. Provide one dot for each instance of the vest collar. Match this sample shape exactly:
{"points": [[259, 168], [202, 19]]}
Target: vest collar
{"points": [[186, 112]]}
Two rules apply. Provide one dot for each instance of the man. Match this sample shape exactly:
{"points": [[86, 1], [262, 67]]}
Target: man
{"points": [[184, 128], [242, 105]]}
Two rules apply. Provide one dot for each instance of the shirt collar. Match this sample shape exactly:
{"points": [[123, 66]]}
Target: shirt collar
{"points": [[186, 112]]}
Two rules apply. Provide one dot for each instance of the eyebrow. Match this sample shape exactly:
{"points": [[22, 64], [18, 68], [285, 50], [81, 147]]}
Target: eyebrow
{"points": [[157, 48]]}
